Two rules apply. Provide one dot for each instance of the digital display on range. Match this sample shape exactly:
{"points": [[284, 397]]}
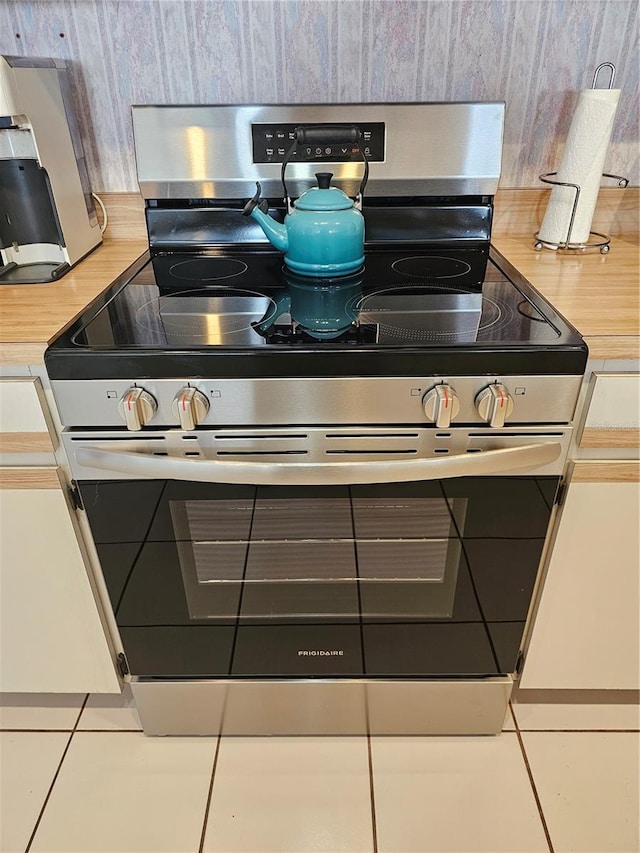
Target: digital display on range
{"points": [[271, 142]]}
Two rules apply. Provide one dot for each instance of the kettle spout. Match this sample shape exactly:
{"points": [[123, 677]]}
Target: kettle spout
{"points": [[257, 208], [276, 233]]}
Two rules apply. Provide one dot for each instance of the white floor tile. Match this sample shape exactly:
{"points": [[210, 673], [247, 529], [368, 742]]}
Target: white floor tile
{"points": [[110, 712], [28, 762], [274, 795], [587, 783], [49, 711], [582, 715], [437, 794], [122, 792]]}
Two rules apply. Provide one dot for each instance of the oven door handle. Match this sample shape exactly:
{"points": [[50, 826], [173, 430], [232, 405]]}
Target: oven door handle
{"points": [[486, 462]]}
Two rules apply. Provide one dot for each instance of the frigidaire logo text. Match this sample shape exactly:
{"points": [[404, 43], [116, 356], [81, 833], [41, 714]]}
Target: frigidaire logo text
{"points": [[312, 653]]}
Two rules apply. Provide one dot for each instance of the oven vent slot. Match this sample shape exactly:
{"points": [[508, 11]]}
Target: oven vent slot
{"points": [[375, 451], [93, 439], [440, 449], [261, 453], [517, 435], [260, 436], [372, 435]]}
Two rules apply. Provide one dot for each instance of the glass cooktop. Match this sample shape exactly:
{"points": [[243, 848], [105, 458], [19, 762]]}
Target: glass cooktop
{"points": [[249, 299]]}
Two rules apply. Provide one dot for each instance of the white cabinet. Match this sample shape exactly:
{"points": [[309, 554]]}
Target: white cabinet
{"points": [[586, 633], [586, 630], [613, 416], [52, 637], [24, 426]]}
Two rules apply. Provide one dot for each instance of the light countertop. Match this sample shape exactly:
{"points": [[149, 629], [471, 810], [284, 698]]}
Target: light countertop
{"points": [[598, 294], [32, 314]]}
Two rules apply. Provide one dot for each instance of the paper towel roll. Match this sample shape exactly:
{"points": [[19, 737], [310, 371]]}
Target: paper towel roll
{"points": [[582, 163]]}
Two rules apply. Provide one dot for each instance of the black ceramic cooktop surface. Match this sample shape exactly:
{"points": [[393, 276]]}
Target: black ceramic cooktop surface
{"points": [[251, 300], [248, 302]]}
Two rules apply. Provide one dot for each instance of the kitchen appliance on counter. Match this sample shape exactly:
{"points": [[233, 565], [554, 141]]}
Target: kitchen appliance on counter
{"points": [[47, 215], [319, 505]]}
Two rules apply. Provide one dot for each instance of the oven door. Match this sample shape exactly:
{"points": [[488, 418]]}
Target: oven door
{"points": [[421, 578]]}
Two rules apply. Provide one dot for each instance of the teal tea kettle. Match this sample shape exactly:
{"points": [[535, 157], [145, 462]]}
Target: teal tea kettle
{"points": [[323, 231]]}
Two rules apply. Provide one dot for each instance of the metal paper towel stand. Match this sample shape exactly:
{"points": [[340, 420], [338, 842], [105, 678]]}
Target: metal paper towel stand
{"points": [[601, 241]]}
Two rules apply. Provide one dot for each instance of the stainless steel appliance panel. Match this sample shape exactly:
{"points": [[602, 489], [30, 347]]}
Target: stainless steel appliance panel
{"points": [[206, 151], [308, 707], [317, 456], [356, 400]]}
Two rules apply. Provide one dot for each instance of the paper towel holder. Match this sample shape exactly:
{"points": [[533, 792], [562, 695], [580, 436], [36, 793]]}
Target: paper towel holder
{"points": [[596, 73], [601, 241], [604, 242]]}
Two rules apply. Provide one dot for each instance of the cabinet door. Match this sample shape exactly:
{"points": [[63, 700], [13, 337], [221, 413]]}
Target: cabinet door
{"points": [[613, 419], [586, 630], [24, 427], [51, 635]]}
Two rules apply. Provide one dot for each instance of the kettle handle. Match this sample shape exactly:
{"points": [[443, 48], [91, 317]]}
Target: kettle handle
{"points": [[323, 134]]}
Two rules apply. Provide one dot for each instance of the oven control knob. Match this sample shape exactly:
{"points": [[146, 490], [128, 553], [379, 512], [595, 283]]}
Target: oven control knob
{"points": [[494, 404], [189, 407], [137, 408], [441, 405]]}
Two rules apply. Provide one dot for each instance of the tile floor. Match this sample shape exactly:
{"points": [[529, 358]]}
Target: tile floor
{"points": [[76, 774]]}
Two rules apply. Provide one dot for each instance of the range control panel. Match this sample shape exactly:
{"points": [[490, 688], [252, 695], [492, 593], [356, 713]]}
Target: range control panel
{"points": [[271, 142], [490, 402]]}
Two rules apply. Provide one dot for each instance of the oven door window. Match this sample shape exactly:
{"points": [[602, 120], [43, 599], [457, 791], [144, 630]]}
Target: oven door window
{"points": [[406, 580], [334, 554]]}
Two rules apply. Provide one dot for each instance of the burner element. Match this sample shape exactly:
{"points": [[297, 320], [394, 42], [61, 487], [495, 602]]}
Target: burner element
{"points": [[212, 317], [530, 311], [431, 266], [208, 269], [422, 314]]}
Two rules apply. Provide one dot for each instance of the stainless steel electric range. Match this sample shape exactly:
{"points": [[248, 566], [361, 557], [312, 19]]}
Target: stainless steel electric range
{"points": [[319, 505]]}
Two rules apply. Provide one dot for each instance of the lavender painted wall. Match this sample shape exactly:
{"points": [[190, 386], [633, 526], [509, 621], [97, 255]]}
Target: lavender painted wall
{"points": [[533, 54]]}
